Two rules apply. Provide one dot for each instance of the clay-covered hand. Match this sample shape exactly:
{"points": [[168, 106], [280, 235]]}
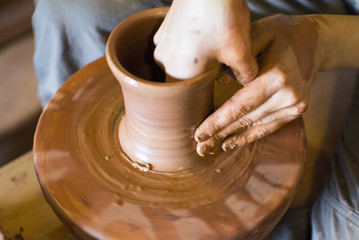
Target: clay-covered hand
{"points": [[289, 61], [202, 34]]}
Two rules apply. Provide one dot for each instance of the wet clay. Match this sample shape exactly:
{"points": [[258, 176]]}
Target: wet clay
{"points": [[157, 127], [97, 192]]}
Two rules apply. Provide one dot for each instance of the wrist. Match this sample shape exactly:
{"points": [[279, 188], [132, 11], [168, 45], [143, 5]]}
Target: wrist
{"points": [[326, 44], [339, 39]]}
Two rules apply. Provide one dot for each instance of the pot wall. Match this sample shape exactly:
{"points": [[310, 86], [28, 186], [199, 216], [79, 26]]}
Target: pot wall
{"points": [[160, 117]]}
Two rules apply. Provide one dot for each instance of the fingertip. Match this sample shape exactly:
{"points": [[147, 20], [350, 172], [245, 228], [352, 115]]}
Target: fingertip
{"points": [[200, 149], [225, 75], [156, 39], [200, 136], [249, 73], [230, 143], [244, 67], [208, 148], [224, 147]]}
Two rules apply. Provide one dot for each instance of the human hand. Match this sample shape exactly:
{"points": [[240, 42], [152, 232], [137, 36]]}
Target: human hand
{"points": [[289, 60], [199, 35]]}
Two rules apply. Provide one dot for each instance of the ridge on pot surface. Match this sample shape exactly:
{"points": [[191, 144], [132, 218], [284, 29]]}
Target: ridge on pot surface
{"points": [[160, 117]]}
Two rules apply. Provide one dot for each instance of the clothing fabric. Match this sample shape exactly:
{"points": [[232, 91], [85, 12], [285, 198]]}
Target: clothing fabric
{"points": [[352, 6], [335, 214], [69, 34]]}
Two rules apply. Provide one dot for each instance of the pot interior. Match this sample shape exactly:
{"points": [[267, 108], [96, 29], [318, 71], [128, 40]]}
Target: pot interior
{"points": [[135, 47]]}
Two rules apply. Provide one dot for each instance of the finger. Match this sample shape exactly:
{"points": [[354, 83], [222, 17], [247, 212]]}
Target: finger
{"points": [[237, 53], [272, 109], [295, 111], [249, 133], [159, 35], [255, 133], [242, 102], [210, 147], [242, 62], [157, 38], [225, 75], [238, 127], [245, 100], [261, 37], [269, 107], [268, 112]]}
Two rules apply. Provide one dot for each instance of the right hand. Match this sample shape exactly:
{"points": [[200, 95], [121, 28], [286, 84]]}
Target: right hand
{"points": [[201, 34]]}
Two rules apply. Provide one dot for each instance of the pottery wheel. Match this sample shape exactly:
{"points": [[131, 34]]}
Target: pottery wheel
{"points": [[98, 194]]}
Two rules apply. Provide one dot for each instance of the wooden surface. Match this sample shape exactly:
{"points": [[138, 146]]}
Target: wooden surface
{"points": [[24, 213]]}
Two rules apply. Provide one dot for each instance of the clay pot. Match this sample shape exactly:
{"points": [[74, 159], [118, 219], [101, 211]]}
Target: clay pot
{"points": [[160, 118]]}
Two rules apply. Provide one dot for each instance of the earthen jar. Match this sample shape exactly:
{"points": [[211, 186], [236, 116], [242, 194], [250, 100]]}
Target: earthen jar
{"points": [[160, 117]]}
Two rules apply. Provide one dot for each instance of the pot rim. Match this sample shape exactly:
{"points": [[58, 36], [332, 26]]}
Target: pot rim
{"points": [[117, 68]]}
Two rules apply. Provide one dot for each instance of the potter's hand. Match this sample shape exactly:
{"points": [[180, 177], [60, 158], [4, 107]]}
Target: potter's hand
{"points": [[289, 61], [198, 35]]}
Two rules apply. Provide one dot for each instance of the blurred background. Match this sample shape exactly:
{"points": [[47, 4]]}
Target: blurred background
{"points": [[19, 105]]}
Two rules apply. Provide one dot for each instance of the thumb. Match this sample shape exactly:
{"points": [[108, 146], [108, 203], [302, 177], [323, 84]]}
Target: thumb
{"points": [[260, 39], [239, 58], [244, 69]]}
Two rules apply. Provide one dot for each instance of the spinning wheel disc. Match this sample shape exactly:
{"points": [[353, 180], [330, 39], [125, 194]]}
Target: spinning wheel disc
{"points": [[98, 194]]}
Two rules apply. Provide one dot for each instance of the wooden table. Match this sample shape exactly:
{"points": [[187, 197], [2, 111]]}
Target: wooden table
{"points": [[24, 212]]}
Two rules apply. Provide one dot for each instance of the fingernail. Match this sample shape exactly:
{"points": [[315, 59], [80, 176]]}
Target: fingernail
{"points": [[205, 149], [200, 149], [225, 147], [229, 144], [199, 137]]}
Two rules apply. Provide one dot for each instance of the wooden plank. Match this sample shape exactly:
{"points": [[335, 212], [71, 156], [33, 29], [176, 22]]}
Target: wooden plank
{"points": [[24, 212]]}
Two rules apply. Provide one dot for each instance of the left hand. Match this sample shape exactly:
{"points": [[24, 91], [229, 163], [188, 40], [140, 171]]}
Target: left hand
{"points": [[290, 58]]}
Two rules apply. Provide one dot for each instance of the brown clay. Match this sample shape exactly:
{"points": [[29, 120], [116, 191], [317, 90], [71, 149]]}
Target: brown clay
{"points": [[93, 187], [156, 131]]}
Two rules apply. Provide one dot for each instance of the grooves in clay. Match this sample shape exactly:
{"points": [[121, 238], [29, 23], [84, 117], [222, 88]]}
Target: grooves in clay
{"points": [[160, 118], [97, 193]]}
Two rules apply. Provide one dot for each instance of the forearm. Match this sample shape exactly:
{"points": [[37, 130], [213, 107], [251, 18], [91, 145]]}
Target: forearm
{"points": [[339, 41]]}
